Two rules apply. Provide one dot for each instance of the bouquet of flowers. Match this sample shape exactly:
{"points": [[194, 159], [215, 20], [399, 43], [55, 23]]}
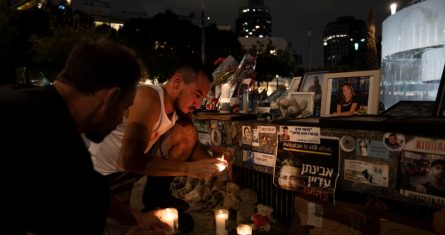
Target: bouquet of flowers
{"points": [[245, 70], [225, 69]]}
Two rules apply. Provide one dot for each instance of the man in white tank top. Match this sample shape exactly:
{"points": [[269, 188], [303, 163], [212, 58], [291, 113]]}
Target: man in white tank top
{"points": [[158, 139]]}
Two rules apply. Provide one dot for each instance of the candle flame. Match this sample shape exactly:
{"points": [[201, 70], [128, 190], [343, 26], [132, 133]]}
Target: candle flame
{"points": [[221, 166]]}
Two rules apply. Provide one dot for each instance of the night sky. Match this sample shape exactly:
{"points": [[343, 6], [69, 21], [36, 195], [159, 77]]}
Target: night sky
{"points": [[291, 19]]}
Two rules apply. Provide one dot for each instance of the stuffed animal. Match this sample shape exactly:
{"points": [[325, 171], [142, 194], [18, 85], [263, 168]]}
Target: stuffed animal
{"points": [[177, 184], [215, 197], [246, 207], [207, 190], [230, 199], [189, 186], [195, 195], [262, 218]]}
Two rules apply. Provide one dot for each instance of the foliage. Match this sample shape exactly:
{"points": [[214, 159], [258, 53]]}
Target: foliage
{"points": [[220, 44], [51, 51], [268, 64], [7, 74], [41, 40]]}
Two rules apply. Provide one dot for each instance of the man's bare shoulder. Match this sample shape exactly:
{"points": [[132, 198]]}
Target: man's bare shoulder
{"points": [[146, 103], [147, 95]]}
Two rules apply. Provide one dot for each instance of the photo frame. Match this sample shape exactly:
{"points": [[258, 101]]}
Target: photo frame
{"points": [[364, 86], [304, 101], [295, 84], [439, 104], [313, 82]]}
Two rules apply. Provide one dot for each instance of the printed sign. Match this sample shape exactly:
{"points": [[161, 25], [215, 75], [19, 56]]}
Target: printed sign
{"points": [[366, 173], [301, 134], [268, 139], [307, 167], [422, 170]]}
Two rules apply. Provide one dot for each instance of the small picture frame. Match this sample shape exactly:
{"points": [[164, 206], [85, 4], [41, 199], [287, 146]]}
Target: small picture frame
{"points": [[313, 82], [350, 93], [304, 102], [295, 84], [439, 104]]}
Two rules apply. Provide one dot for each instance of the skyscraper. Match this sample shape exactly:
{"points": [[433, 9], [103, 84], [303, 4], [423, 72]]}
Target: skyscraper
{"points": [[344, 42], [254, 20]]}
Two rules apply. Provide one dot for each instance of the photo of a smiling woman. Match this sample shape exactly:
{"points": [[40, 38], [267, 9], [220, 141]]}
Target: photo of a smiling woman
{"points": [[348, 102]]}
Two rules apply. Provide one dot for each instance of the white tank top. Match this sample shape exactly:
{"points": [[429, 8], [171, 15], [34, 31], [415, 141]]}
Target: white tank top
{"points": [[105, 155]]}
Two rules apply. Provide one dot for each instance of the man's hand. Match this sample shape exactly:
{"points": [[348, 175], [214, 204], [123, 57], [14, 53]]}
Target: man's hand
{"points": [[439, 221], [204, 168]]}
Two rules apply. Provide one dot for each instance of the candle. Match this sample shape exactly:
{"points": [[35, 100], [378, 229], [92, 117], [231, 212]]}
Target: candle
{"points": [[225, 93], [244, 229], [221, 166], [170, 217], [221, 220]]}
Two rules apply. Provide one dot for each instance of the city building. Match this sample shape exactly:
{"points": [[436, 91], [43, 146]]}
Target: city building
{"points": [[344, 42], [254, 20]]}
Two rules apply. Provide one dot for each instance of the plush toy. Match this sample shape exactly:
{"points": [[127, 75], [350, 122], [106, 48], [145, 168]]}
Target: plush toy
{"points": [[195, 195], [215, 197], [189, 186], [207, 190], [230, 199], [263, 217], [246, 207], [177, 184]]}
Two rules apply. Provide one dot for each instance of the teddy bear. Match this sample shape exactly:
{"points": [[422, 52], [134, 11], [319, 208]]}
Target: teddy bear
{"points": [[215, 197], [177, 184], [246, 207], [207, 190], [195, 195], [262, 218], [189, 186], [230, 199]]}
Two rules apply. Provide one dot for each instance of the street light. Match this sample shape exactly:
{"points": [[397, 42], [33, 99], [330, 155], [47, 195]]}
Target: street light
{"points": [[393, 8]]}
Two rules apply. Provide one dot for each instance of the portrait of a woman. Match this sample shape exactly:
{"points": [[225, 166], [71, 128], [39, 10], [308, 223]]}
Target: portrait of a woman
{"points": [[348, 103]]}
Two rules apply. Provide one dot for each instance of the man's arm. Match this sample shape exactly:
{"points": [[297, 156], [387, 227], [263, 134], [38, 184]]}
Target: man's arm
{"points": [[204, 168], [142, 115]]}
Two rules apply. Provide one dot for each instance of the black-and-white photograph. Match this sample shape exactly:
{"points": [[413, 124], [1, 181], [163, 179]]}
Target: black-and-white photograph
{"points": [[246, 135], [304, 102]]}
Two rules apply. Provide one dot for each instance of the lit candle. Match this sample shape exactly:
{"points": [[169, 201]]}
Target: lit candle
{"points": [[221, 166], [244, 229], [221, 219], [170, 217], [225, 93]]}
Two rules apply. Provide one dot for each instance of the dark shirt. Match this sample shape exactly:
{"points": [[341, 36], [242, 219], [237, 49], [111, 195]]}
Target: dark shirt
{"points": [[48, 182], [346, 106]]}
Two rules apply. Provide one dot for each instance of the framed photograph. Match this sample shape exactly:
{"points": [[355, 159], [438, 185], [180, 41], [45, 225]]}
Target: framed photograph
{"points": [[295, 84], [439, 105], [350, 93], [313, 82], [304, 102]]}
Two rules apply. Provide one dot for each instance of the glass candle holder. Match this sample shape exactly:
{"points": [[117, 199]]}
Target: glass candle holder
{"points": [[244, 229], [170, 217], [221, 221]]}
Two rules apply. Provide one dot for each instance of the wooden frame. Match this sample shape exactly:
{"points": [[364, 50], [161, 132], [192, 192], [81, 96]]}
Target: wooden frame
{"points": [[295, 84], [365, 85]]}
